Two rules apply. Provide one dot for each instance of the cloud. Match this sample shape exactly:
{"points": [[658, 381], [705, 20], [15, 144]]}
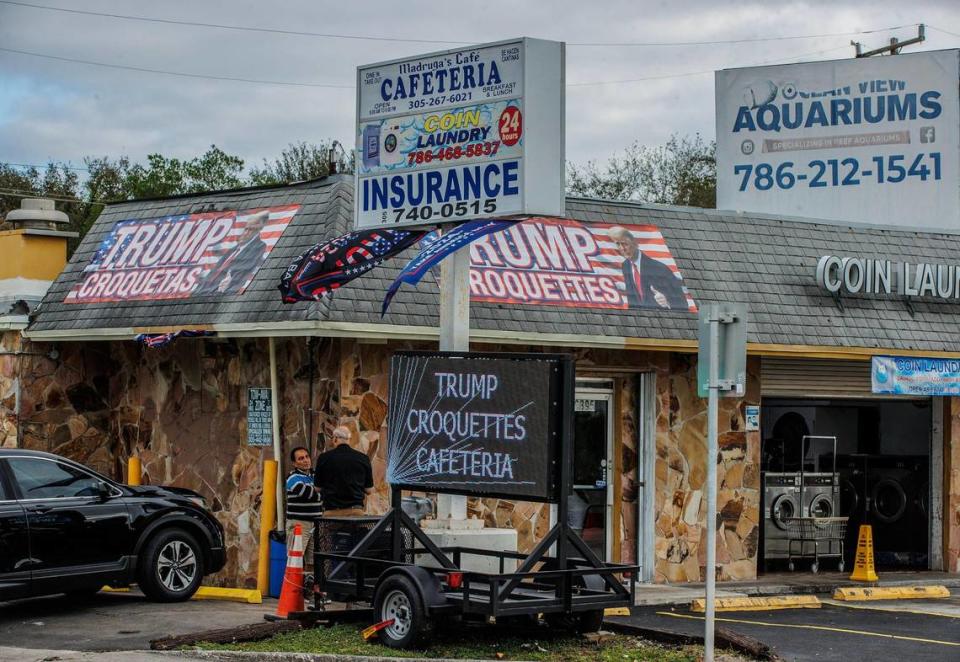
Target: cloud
{"points": [[64, 111]]}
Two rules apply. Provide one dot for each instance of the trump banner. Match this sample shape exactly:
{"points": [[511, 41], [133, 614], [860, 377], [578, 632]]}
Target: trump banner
{"points": [[563, 262], [177, 257]]}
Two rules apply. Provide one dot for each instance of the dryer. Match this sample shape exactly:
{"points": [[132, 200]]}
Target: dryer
{"points": [[781, 498]]}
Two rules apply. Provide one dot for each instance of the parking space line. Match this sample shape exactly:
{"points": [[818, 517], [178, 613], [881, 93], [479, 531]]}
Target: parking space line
{"points": [[866, 633], [891, 609]]}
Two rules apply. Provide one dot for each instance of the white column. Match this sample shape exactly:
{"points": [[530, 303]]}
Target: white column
{"points": [[454, 336]]}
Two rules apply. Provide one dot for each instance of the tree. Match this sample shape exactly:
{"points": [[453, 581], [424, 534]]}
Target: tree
{"points": [[58, 181], [681, 172], [297, 162]]}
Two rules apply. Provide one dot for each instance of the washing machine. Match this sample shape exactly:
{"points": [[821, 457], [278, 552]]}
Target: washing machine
{"points": [[898, 490], [781, 498], [821, 497]]}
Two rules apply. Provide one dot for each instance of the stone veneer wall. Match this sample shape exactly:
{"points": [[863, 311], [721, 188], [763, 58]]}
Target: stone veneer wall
{"points": [[681, 462], [182, 409], [951, 486], [9, 388]]}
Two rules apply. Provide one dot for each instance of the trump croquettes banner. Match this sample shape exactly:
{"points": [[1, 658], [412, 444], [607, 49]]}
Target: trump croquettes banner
{"points": [[176, 257], [563, 262]]}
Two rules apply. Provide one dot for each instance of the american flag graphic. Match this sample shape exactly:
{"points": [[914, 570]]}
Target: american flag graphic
{"points": [[435, 251], [329, 265], [280, 217]]}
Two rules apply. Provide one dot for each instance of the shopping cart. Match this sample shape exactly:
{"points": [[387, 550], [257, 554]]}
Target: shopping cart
{"points": [[823, 535]]}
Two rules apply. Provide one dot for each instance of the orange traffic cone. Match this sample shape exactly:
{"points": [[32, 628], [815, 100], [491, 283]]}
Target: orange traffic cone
{"points": [[291, 595]]}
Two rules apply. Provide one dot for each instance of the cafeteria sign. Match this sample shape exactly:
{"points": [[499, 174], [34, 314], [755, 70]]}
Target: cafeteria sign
{"points": [[182, 256], [477, 424], [461, 134], [907, 375]]}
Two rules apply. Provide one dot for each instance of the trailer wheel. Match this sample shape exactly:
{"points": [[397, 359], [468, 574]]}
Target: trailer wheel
{"points": [[580, 622], [397, 598]]}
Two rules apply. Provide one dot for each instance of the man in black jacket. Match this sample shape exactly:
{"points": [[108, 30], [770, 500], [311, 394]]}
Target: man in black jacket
{"points": [[344, 477], [648, 283]]}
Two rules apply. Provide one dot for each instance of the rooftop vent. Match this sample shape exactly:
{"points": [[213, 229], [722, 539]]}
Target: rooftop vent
{"points": [[36, 214]]}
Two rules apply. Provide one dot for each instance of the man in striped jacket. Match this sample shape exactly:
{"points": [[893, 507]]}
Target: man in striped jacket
{"points": [[303, 503]]}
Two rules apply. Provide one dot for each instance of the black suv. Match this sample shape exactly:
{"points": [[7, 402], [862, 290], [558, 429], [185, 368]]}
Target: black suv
{"points": [[67, 529]]}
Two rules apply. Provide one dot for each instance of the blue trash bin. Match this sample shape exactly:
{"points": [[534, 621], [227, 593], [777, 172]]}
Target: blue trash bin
{"points": [[278, 562]]}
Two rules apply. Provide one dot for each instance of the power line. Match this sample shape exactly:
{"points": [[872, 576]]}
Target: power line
{"points": [[327, 35], [221, 26], [748, 40], [40, 167], [17, 193], [704, 71], [952, 34], [174, 73], [345, 87]]}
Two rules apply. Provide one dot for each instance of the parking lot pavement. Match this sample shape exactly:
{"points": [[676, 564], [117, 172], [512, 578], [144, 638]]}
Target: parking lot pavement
{"points": [[115, 621], [918, 631]]}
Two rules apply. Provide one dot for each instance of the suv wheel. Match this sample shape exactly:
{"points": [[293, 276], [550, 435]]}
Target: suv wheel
{"points": [[170, 566]]}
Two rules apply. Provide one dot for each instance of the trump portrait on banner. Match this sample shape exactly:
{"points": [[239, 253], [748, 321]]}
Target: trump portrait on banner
{"points": [[648, 283]]}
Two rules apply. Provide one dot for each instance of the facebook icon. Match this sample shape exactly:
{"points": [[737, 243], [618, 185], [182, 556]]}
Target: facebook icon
{"points": [[928, 134]]}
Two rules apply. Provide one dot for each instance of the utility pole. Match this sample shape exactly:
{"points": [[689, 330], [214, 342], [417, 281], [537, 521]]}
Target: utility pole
{"points": [[894, 47], [721, 372]]}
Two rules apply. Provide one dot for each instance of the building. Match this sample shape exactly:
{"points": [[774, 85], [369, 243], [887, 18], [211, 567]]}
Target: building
{"points": [[641, 427]]}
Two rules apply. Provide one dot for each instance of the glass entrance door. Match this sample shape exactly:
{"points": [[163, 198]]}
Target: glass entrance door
{"points": [[591, 503]]}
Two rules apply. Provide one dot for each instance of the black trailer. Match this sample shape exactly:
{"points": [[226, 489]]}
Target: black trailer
{"points": [[412, 583]]}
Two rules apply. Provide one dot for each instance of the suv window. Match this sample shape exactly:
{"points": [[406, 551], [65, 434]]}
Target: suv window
{"points": [[46, 479]]}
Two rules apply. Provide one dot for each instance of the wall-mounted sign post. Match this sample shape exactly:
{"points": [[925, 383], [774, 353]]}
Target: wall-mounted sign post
{"points": [[723, 356], [456, 135]]}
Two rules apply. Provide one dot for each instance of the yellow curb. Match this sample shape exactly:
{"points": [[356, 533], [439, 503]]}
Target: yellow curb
{"points": [[249, 595], [855, 593], [616, 611], [758, 604], [110, 589]]}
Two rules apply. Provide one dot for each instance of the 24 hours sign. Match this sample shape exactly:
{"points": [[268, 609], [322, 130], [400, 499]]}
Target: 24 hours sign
{"points": [[453, 135]]}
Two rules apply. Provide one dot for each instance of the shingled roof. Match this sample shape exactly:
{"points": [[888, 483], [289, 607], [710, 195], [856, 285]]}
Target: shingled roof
{"points": [[767, 263]]}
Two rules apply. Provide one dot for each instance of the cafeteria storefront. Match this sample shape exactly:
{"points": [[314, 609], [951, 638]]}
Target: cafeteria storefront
{"points": [[548, 285]]}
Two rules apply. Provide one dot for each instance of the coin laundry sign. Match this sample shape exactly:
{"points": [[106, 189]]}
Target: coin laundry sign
{"points": [[461, 134], [854, 275]]}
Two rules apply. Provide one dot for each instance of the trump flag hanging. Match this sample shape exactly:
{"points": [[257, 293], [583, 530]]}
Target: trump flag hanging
{"points": [[177, 257]]}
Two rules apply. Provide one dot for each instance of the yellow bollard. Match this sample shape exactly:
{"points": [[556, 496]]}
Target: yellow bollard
{"points": [[134, 473], [268, 513]]}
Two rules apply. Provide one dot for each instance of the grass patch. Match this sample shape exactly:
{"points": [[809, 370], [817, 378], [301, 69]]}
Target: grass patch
{"points": [[475, 642]]}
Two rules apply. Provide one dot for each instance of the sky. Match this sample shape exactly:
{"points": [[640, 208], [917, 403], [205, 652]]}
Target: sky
{"points": [[616, 93]]}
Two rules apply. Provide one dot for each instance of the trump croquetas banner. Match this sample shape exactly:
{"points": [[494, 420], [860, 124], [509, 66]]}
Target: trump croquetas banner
{"points": [[563, 262], [177, 257]]}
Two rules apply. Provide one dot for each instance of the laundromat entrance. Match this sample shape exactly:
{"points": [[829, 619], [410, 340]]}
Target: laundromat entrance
{"points": [[879, 474]]}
